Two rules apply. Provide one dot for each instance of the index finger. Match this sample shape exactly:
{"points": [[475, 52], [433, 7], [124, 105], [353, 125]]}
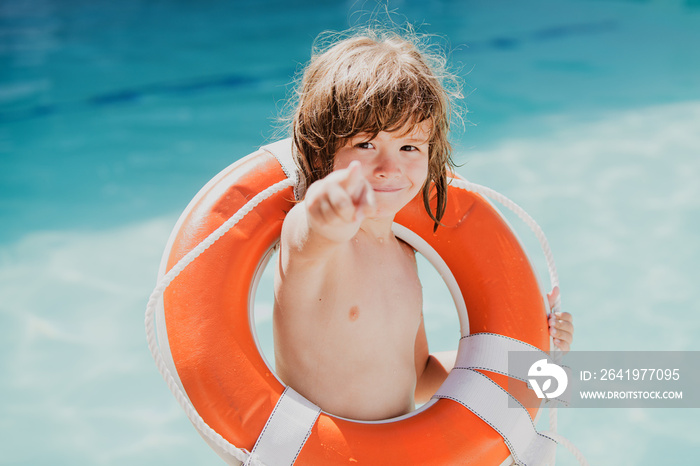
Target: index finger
{"points": [[355, 183]]}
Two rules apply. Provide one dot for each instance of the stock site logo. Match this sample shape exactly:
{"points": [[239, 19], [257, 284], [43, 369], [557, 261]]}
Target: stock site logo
{"points": [[544, 370]]}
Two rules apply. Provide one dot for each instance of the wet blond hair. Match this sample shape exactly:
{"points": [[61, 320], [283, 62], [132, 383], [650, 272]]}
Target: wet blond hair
{"points": [[370, 82]]}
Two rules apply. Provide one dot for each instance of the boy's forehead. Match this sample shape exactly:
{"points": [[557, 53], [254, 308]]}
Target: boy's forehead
{"points": [[414, 132], [420, 131]]}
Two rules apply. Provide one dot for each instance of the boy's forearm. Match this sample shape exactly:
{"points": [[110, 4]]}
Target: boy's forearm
{"points": [[437, 367]]}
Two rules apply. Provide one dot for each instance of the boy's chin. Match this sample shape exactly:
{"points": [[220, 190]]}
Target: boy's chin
{"points": [[384, 213]]}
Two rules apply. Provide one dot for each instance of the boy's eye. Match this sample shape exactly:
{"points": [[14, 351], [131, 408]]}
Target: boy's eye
{"points": [[364, 145], [409, 148]]}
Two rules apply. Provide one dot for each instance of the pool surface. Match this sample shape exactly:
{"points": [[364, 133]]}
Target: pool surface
{"points": [[114, 114]]}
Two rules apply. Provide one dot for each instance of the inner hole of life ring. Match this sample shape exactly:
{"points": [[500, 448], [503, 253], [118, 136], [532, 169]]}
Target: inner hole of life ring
{"points": [[439, 311]]}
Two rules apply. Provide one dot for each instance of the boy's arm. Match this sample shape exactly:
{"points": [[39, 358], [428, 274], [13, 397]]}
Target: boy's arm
{"points": [[431, 369]]}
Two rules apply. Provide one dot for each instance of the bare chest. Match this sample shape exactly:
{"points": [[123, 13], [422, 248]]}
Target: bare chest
{"points": [[378, 293]]}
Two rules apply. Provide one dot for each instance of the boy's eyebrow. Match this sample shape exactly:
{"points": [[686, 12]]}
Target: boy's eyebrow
{"points": [[368, 136], [417, 139]]}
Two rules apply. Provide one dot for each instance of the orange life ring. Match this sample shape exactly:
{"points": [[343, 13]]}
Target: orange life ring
{"points": [[206, 311]]}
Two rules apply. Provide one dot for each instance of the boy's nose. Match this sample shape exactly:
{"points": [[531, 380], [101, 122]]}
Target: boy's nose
{"points": [[387, 166]]}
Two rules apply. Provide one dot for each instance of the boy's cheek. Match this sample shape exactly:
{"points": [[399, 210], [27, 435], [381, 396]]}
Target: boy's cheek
{"points": [[343, 158]]}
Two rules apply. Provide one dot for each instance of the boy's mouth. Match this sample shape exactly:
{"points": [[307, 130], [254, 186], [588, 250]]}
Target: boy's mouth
{"points": [[387, 189]]}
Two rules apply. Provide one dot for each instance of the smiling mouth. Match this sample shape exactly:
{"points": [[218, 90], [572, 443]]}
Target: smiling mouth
{"points": [[387, 189]]}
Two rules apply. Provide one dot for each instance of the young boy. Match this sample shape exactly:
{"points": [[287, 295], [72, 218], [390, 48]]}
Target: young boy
{"points": [[370, 132]]}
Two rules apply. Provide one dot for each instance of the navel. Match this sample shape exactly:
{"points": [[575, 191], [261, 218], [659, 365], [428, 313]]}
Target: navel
{"points": [[354, 313]]}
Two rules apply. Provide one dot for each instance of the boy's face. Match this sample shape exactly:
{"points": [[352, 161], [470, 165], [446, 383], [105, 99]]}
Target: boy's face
{"points": [[395, 164]]}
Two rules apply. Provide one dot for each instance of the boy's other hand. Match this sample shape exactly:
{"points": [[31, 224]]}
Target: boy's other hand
{"points": [[561, 324]]}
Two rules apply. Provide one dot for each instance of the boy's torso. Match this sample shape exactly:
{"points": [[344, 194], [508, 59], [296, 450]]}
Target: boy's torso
{"points": [[345, 334]]}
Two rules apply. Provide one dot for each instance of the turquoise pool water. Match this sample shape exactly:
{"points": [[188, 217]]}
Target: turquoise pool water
{"points": [[114, 114]]}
